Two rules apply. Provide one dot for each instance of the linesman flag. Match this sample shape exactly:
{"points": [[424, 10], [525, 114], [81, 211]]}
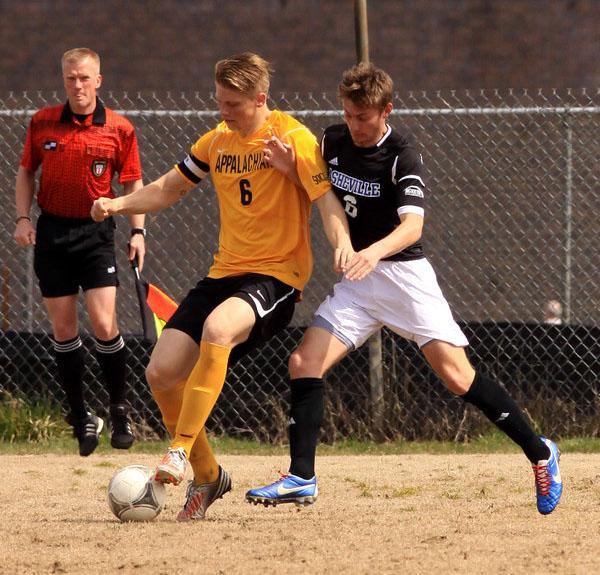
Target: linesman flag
{"points": [[156, 307]]}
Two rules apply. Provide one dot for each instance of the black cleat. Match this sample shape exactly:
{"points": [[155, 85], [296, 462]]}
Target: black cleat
{"points": [[121, 433], [87, 431]]}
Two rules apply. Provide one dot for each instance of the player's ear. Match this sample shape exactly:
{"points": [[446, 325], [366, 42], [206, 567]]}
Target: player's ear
{"points": [[387, 110], [98, 80], [261, 99]]}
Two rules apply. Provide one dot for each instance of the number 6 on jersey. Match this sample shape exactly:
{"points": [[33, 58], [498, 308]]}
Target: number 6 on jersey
{"points": [[245, 192]]}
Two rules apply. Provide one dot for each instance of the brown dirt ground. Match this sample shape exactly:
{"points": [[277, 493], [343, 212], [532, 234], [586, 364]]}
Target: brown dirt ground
{"points": [[376, 514]]}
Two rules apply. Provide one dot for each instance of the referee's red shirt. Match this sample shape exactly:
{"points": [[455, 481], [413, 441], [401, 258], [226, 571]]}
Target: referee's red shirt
{"points": [[79, 159]]}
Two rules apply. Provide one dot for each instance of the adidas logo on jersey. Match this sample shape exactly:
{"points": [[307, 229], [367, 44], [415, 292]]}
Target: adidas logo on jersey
{"points": [[334, 161]]}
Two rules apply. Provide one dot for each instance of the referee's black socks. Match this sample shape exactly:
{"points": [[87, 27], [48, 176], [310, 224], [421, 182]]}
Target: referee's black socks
{"points": [[69, 357], [112, 357], [500, 408], [306, 416]]}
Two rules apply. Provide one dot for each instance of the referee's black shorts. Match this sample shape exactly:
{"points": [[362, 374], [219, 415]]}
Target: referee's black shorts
{"points": [[273, 303], [71, 253]]}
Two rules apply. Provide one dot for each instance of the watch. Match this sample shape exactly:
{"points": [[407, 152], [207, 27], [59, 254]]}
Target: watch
{"points": [[141, 231]]}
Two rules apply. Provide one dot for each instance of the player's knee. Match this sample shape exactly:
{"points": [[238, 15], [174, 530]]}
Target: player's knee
{"points": [[301, 364], [215, 332], [159, 379], [458, 381]]}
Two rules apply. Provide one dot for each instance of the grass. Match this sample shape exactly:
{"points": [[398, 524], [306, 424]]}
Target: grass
{"points": [[493, 443], [21, 420], [39, 428]]}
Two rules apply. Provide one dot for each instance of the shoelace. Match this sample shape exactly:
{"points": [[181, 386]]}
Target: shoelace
{"points": [[282, 477], [542, 478], [174, 457], [189, 492], [193, 497]]}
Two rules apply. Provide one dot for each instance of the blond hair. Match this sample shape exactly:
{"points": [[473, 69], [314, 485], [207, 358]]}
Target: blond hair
{"points": [[366, 86], [246, 73], [77, 54]]}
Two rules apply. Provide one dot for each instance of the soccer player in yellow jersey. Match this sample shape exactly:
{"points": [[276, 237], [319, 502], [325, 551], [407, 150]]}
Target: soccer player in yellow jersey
{"points": [[263, 262]]}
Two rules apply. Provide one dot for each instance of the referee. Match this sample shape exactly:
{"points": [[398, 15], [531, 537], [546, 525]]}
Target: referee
{"points": [[80, 145]]}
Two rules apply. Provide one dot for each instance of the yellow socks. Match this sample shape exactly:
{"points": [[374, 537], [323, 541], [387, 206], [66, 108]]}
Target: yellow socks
{"points": [[202, 389], [169, 402], [199, 394], [202, 460]]}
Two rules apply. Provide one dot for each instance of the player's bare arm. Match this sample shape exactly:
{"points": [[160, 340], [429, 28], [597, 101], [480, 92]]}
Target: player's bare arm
{"points": [[407, 233], [24, 189], [336, 229], [156, 196], [137, 242]]}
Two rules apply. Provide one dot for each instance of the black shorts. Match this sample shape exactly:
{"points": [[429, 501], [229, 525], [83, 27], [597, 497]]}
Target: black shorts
{"points": [[273, 303], [71, 253]]}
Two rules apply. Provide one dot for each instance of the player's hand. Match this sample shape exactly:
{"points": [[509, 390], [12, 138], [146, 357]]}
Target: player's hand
{"points": [[24, 233], [101, 209], [361, 265], [280, 156], [137, 246], [341, 258]]}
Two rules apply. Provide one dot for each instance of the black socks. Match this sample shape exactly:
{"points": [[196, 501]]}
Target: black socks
{"points": [[500, 408], [112, 357], [306, 416], [70, 362]]}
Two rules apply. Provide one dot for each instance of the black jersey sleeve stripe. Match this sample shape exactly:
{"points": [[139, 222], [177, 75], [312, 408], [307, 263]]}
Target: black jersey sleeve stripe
{"points": [[193, 169], [196, 163], [187, 173]]}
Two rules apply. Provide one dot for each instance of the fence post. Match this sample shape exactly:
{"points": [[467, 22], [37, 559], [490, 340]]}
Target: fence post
{"points": [[376, 384], [568, 218]]}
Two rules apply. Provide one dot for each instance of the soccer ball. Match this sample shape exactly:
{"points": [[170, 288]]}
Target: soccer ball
{"points": [[134, 495]]}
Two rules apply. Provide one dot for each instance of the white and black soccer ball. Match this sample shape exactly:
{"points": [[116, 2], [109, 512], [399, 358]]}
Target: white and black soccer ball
{"points": [[134, 495]]}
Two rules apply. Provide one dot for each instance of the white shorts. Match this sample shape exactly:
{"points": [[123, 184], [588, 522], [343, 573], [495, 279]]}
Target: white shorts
{"points": [[403, 296]]}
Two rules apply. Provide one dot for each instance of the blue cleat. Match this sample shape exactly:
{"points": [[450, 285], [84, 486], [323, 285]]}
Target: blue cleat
{"points": [[548, 484], [287, 489]]}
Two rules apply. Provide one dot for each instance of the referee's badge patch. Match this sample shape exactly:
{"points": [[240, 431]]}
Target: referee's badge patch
{"points": [[99, 167]]}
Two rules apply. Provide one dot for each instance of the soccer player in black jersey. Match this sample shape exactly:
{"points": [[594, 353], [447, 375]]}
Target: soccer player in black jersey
{"points": [[377, 175]]}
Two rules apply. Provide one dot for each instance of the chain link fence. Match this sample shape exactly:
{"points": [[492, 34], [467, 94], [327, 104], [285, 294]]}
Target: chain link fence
{"points": [[511, 223]]}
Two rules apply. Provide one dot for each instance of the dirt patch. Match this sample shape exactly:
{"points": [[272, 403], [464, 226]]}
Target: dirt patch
{"points": [[375, 514]]}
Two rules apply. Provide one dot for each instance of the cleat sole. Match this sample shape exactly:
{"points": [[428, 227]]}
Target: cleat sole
{"points": [[166, 477], [299, 502]]}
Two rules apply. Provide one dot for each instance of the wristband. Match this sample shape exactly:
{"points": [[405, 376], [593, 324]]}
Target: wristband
{"points": [[141, 231], [19, 218]]}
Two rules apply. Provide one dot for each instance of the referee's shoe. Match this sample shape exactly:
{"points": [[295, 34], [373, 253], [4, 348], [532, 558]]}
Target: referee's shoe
{"points": [[87, 431], [287, 489], [121, 434]]}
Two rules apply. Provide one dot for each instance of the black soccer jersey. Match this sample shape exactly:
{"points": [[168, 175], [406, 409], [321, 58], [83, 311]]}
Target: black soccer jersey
{"points": [[375, 185]]}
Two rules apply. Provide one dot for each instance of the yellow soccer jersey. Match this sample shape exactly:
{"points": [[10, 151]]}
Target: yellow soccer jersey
{"points": [[264, 216]]}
